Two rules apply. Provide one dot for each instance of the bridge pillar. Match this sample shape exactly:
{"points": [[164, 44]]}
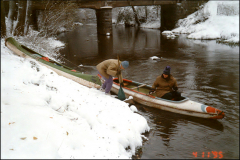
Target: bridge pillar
{"points": [[104, 20], [168, 16]]}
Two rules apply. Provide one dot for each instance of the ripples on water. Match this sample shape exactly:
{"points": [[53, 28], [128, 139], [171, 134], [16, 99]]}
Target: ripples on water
{"points": [[206, 72]]}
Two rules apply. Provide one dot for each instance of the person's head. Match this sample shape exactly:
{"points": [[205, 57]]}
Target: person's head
{"points": [[166, 71], [124, 64]]}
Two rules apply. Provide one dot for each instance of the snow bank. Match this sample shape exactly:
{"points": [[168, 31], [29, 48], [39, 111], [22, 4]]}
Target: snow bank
{"points": [[48, 47], [216, 20], [44, 115], [151, 24], [155, 58], [169, 34]]}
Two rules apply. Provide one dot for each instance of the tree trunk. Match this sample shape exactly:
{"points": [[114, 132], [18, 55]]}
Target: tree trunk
{"points": [[158, 11], [19, 30], [29, 17], [3, 24], [146, 12], [34, 19], [6, 7], [136, 17], [12, 15]]}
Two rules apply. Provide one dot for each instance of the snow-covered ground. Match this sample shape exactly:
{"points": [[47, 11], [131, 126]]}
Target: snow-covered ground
{"points": [[216, 20], [151, 24], [44, 115]]}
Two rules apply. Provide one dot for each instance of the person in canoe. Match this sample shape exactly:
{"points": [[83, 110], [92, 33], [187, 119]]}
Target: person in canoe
{"points": [[108, 69], [165, 86]]}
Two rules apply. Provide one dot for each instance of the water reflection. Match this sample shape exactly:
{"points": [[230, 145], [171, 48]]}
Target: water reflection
{"points": [[105, 46], [81, 44], [129, 43], [135, 43], [166, 121]]}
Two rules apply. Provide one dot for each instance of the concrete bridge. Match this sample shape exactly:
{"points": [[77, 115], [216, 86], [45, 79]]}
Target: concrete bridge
{"points": [[170, 10]]}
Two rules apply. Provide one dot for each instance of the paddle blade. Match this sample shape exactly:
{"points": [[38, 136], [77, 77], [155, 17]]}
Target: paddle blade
{"points": [[121, 94]]}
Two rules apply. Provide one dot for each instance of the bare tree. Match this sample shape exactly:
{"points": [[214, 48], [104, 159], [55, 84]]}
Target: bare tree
{"points": [[146, 12], [19, 29], [22, 16], [12, 15], [3, 24], [136, 16], [60, 15], [29, 17], [6, 7]]}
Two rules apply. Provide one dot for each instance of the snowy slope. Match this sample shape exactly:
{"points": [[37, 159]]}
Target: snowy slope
{"points": [[216, 20], [44, 115]]}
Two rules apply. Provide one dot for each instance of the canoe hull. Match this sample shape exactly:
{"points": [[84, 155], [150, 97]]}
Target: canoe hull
{"points": [[185, 107], [18, 51]]}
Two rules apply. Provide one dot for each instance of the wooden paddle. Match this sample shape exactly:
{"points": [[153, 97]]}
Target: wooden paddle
{"points": [[139, 86], [120, 79], [121, 94]]}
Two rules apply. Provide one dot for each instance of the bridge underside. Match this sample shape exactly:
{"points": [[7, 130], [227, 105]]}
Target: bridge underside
{"points": [[104, 19], [96, 4], [169, 10], [123, 3]]}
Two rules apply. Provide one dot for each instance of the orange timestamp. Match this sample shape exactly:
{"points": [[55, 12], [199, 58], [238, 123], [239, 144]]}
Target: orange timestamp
{"points": [[212, 154]]}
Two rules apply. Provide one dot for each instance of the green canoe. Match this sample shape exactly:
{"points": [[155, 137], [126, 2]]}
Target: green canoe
{"points": [[23, 51]]}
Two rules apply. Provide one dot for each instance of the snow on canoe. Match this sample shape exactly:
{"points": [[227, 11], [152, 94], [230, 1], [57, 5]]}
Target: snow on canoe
{"points": [[139, 92], [23, 51]]}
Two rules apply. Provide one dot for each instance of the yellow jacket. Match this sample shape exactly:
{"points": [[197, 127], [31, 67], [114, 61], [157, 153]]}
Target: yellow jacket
{"points": [[109, 67]]}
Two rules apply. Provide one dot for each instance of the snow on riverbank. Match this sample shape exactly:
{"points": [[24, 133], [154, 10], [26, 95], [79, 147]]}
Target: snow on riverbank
{"points": [[216, 20], [44, 115], [152, 24]]}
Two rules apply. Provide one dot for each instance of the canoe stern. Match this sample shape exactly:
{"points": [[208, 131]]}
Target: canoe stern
{"points": [[212, 110]]}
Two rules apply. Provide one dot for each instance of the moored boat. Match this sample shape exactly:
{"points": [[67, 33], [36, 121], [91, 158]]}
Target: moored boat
{"points": [[140, 94], [60, 69]]}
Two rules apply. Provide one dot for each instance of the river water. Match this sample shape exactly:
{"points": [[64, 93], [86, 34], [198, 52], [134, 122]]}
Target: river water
{"points": [[206, 72]]}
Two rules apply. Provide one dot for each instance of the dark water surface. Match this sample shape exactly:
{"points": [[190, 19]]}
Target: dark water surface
{"points": [[206, 72]]}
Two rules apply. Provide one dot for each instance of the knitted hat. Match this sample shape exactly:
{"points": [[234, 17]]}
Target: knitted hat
{"points": [[125, 64], [167, 70]]}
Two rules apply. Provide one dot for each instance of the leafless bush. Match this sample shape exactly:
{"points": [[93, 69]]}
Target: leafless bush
{"points": [[143, 13], [59, 17], [125, 15]]}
